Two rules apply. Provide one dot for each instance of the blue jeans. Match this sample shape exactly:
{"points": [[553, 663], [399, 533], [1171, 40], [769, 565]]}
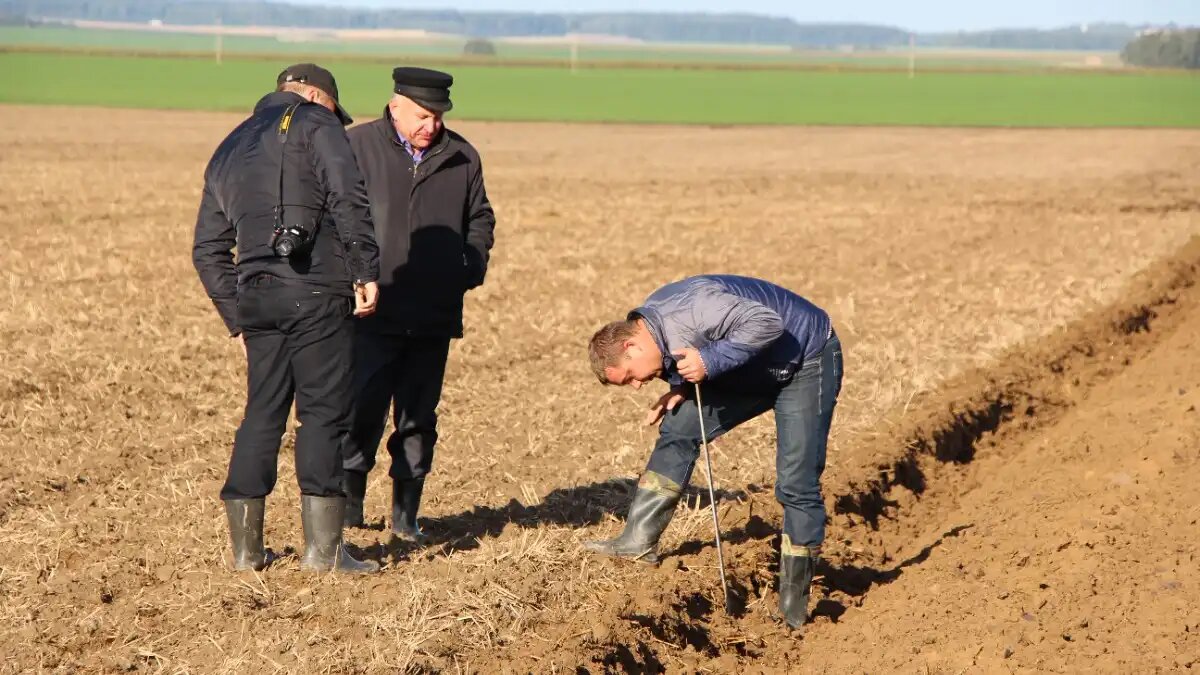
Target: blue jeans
{"points": [[803, 414]]}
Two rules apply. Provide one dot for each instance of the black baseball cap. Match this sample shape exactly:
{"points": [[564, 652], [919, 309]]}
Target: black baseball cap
{"points": [[315, 76], [429, 88]]}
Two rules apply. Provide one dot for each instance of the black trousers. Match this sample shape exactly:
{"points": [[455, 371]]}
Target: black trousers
{"points": [[299, 345], [404, 374]]}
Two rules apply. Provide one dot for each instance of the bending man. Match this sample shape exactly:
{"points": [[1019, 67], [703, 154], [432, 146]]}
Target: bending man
{"points": [[756, 347]]}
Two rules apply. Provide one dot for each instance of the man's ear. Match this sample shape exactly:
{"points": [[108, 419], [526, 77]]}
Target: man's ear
{"points": [[630, 348]]}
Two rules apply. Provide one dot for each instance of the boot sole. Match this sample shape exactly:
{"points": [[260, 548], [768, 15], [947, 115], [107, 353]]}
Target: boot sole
{"points": [[646, 558], [778, 617], [374, 567], [253, 565], [410, 538]]}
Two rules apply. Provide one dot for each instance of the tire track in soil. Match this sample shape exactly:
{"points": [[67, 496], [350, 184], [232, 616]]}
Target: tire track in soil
{"points": [[891, 518]]}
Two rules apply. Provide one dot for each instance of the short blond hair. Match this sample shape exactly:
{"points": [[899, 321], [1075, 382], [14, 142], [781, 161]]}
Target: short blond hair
{"points": [[303, 88], [607, 346], [294, 86]]}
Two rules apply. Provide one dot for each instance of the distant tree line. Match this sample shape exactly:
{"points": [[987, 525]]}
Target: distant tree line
{"points": [[723, 28], [713, 28], [7, 19], [1107, 37], [1164, 49]]}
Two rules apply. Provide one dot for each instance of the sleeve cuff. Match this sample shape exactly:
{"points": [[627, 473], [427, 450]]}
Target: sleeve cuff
{"points": [[710, 359]]}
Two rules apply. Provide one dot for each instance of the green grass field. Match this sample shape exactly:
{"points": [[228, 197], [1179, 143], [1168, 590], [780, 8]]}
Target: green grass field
{"points": [[323, 43], [637, 94]]}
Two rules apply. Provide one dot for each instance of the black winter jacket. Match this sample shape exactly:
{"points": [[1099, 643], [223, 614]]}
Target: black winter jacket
{"points": [[322, 190], [434, 225]]}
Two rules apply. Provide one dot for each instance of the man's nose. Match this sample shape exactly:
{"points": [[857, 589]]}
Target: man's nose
{"points": [[636, 384]]}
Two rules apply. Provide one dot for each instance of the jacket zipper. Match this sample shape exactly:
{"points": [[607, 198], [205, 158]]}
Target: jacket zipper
{"points": [[415, 179]]}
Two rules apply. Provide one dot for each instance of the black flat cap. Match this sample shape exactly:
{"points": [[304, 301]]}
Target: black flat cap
{"points": [[429, 88], [316, 76]]}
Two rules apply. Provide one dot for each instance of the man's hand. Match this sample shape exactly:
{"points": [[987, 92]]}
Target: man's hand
{"points": [[366, 296], [666, 402], [689, 364]]}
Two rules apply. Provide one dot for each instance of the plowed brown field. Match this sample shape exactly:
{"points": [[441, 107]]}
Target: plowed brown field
{"points": [[1011, 477]]}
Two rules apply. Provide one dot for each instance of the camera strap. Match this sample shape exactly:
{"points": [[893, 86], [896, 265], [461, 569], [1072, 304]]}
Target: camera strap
{"points": [[285, 124]]}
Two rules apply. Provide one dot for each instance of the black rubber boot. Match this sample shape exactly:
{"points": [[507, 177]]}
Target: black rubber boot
{"points": [[406, 500], [795, 580], [354, 484], [323, 549], [649, 514], [246, 533]]}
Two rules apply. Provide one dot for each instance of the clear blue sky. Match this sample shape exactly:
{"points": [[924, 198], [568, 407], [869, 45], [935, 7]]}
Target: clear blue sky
{"points": [[919, 15]]}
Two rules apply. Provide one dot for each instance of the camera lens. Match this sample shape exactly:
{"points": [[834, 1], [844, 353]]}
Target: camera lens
{"points": [[285, 245]]}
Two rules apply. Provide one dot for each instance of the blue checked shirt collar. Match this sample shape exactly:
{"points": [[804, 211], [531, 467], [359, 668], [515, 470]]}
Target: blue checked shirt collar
{"points": [[415, 154]]}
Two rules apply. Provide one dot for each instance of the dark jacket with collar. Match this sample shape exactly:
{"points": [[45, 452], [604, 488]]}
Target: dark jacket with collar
{"points": [[322, 190], [434, 226]]}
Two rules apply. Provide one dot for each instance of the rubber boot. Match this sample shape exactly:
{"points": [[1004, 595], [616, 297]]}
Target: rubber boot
{"points": [[323, 548], [649, 514], [406, 500], [354, 484], [246, 533], [795, 580]]}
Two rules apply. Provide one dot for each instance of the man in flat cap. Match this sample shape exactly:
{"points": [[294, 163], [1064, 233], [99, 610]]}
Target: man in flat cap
{"points": [[284, 190], [435, 228]]}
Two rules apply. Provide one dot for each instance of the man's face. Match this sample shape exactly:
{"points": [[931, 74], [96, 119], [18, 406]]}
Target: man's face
{"points": [[419, 125], [640, 363]]}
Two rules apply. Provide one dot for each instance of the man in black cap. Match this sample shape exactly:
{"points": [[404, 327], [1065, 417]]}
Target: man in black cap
{"points": [[435, 230], [284, 189]]}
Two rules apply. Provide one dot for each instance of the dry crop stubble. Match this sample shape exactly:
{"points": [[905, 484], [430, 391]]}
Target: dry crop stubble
{"points": [[933, 250]]}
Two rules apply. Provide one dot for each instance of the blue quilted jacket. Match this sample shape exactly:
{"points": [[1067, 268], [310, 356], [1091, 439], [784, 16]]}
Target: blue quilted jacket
{"points": [[750, 333]]}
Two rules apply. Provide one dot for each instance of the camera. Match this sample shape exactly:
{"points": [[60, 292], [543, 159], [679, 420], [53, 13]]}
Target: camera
{"points": [[289, 240]]}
